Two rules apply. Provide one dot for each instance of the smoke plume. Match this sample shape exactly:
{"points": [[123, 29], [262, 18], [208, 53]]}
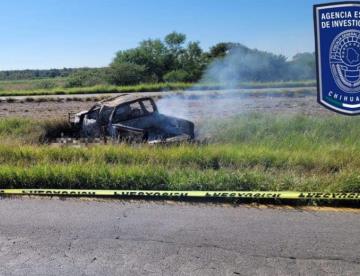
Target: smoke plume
{"points": [[202, 106]]}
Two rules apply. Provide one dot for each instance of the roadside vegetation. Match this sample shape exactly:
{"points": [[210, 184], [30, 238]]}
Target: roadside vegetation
{"points": [[249, 152], [171, 63]]}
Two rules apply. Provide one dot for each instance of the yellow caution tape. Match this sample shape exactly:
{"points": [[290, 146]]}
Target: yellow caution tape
{"points": [[184, 194]]}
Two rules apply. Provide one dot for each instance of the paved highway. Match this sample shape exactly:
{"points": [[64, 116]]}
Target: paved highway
{"points": [[42, 236]]}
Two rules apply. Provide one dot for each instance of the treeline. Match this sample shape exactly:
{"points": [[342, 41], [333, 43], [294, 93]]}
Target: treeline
{"points": [[35, 74], [173, 59]]}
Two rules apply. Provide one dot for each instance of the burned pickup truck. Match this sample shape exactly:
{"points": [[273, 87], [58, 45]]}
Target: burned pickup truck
{"points": [[131, 118]]}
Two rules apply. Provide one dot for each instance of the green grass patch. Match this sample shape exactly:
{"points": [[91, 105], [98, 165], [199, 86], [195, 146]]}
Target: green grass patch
{"points": [[249, 152]]}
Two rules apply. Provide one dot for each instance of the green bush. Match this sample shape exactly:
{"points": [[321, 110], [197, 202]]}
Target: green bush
{"points": [[126, 73], [85, 78], [45, 84], [176, 76]]}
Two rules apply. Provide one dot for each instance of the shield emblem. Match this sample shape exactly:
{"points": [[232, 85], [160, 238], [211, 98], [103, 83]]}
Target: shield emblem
{"points": [[337, 38]]}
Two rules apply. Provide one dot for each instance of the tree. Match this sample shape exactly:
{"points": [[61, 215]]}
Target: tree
{"points": [[160, 58], [86, 77], [193, 61], [241, 63], [175, 40], [177, 76], [302, 67], [219, 50], [151, 54], [126, 73], [174, 43]]}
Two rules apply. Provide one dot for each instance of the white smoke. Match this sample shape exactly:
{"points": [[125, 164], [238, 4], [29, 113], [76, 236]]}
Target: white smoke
{"points": [[203, 105], [238, 65]]}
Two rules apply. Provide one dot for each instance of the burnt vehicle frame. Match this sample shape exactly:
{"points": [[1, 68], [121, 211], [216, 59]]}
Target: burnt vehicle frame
{"points": [[131, 118]]}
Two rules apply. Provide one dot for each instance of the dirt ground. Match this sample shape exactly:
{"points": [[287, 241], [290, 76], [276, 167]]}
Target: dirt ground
{"points": [[42, 110], [191, 106]]}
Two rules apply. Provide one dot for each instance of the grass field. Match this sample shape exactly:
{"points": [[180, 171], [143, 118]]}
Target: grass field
{"points": [[249, 152], [55, 87], [28, 85]]}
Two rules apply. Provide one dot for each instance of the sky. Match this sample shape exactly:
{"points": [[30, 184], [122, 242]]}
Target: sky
{"points": [[43, 34]]}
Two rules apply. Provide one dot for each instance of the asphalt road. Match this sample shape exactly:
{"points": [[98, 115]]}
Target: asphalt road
{"points": [[87, 237]]}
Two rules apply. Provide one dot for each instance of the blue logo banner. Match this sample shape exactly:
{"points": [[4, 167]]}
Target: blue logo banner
{"points": [[337, 36]]}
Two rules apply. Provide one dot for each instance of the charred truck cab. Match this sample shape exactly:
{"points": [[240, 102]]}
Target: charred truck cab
{"points": [[131, 118]]}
